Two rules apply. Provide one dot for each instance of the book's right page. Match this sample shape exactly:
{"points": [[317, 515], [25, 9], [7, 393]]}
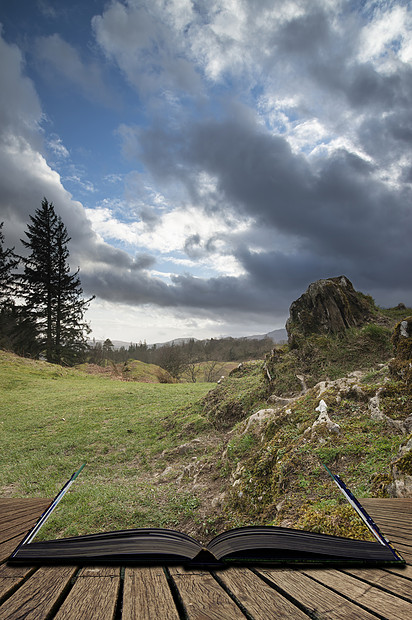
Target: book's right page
{"points": [[288, 546]]}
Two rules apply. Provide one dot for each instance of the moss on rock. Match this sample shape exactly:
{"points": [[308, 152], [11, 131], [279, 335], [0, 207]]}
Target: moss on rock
{"points": [[401, 365], [404, 464]]}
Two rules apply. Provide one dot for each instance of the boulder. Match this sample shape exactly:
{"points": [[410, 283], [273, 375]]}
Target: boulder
{"points": [[328, 306]]}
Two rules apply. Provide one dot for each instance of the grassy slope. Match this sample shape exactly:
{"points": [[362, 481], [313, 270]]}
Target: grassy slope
{"points": [[53, 419], [132, 370]]}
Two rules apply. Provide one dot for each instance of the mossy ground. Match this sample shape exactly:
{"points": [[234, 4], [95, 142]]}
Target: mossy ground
{"points": [[283, 480]]}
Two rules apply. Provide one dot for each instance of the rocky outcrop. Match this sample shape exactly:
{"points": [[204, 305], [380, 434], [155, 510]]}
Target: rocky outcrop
{"points": [[327, 307], [323, 423], [401, 484], [401, 365]]}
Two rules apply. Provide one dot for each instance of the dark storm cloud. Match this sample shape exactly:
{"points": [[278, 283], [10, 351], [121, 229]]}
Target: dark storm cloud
{"points": [[327, 53], [148, 216], [143, 261], [193, 246], [337, 210], [225, 293], [307, 34], [362, 85]]}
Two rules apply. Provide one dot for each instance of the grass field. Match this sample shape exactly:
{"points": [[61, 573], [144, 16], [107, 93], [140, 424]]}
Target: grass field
{"points": [[52, 420]]}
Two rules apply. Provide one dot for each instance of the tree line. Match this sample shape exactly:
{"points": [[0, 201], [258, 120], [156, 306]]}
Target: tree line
{"points": [[41, 302], [182, 359]]}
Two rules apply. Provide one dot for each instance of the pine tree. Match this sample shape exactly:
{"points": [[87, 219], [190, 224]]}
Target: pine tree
{"points": [[52, 294], [8, 262], [17, 331]]}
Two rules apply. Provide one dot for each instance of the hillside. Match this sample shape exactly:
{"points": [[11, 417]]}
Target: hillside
{"points": [[132, 370], [204, 457], [340, 399]]}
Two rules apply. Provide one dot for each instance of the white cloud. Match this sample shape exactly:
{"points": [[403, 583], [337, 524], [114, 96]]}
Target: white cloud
{"points": [[170, 232], [145, 323], [387, 36], [148, 51], [154, 324], [86, 186], [56, 145]]}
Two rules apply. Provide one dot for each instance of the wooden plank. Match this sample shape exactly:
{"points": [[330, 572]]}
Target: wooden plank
{"points": [[32, 511], [397, 511], [10, 513], [400, 540], [146, 595], [397, 585], [397, 508], [392, 526], [94, 595], [37, 597], [5, 501], [17, 502], [11, 576], [17, 526], [14, 524], [260, 600], [407, 557], [402, 532], [390, 512], [315, 597], [374, 599], [203, 597], [6, 548], [386, 521], [404, 571], [397, 503], [8, 518]]}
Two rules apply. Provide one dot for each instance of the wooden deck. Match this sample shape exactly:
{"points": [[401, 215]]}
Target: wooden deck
{"points": [[67, 592]]}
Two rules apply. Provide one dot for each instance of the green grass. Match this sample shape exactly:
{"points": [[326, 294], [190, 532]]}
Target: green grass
{"points": [[54, 419]]}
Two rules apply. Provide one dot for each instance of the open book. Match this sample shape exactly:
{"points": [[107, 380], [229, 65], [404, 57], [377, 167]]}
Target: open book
{"points": [[245, 545]]}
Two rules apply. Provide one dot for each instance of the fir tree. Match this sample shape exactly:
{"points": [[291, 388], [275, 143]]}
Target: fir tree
{"points": [[8, 262], [17, 331], [53, 295]]}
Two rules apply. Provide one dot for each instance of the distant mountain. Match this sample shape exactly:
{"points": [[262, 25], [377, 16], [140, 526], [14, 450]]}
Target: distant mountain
{"points": [[117, 344], [277, 335], [175, 341]]}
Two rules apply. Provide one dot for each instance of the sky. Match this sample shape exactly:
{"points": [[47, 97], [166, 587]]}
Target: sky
{"points": [[210, 159]]}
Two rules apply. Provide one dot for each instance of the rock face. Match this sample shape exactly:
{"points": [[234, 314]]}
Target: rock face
{"points": [[401, 365], [328, 306], [401, 485]]}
